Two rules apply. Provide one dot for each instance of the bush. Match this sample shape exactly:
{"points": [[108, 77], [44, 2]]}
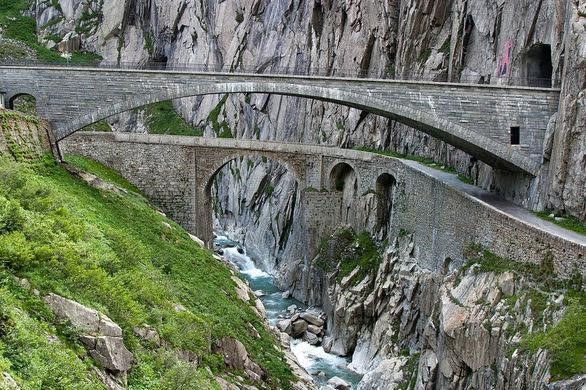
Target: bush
{"points": [[15, 251], [11, 215]]}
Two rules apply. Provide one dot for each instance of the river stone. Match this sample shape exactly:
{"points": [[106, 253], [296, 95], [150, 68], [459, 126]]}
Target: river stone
{"points": [[339, 383], [314, 329], [312, 319], [298, 328], [284, 326], [311, 338]]}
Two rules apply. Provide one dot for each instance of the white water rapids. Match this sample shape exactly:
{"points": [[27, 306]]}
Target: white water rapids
{"points": [[320, 364]]}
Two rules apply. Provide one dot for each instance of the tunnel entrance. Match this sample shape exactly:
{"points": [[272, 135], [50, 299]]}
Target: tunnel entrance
{"points": [[538, 66]]}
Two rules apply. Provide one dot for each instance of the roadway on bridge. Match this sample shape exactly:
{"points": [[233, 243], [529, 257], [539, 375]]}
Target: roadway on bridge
{"points": [[492, 200]]}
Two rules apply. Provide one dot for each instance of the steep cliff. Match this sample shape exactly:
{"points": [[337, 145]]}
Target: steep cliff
{"points": [[491, 324], [400, 309], [538, 43]]}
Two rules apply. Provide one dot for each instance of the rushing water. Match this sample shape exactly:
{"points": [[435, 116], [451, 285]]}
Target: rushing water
{"points": [[321, 365]]}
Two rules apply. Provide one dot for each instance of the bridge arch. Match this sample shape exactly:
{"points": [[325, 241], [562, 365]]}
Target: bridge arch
{"points": [[343, 175], [485, 149], [385, 192], [24, 102], [210, 174], [217, 167]]}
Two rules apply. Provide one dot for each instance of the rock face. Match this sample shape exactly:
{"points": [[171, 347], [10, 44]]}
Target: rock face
{"points": [[236, 356], [519, 42], [7, 382], [436, 330], [99, 334]]}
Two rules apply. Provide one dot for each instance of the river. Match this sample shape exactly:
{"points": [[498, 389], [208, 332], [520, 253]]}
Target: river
{"points": [[320, 364]]}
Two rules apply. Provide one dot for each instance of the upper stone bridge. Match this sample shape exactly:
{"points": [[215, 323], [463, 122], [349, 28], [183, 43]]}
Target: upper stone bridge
{"points": [[502, 126], [177, 173]]}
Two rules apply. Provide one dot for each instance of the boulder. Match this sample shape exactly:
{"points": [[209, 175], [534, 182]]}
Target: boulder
{"points": [[148, 333], [110, 352], [298, 328], [284, 326], [311, 338], [312, 319], [236, 356], [241, 289], [82, 318], [314, 329], [99, 334], [286, 294], [339, 383]]}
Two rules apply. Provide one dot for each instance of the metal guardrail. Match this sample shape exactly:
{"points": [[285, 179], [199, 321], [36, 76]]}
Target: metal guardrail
{"points": [[269, 69]]}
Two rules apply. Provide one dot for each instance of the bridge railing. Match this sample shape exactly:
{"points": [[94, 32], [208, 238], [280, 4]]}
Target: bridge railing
{"points": [[271, 69]]}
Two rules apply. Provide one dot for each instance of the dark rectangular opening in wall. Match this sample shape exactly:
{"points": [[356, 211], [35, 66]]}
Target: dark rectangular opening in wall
{"points": [[515, 136]]}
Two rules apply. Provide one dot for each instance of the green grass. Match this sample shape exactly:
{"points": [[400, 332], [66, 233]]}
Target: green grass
{"points": [[345, 250], [26, 351], [565, 341], [112, 252], [163, 119], [422, 160], [100, 126], [568, 222], [24, 29], [100, 170]]}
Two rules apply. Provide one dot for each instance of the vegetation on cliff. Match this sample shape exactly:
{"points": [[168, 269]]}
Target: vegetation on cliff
{"points": [[22, 32], [543, 293], [346, 251], [111, 251]]}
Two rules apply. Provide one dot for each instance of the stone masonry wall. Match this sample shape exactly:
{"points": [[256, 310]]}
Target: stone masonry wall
{"points": [[444, 220], [73, 98], [164, 173]]}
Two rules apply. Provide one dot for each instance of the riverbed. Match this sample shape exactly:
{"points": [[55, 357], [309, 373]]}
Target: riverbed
{"points": [[320, 364]]}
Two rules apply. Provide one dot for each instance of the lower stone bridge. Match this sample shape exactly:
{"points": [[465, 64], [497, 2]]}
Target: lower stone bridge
{"points": [[176, 173], [503, 126]]}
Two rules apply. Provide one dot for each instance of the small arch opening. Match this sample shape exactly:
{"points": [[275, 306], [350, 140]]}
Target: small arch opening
{"points": [[385, 189], [342, 177], [24, 103], [538, 65]]}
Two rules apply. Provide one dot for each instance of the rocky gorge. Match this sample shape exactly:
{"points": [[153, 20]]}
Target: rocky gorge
{"points": [[474, 324]]}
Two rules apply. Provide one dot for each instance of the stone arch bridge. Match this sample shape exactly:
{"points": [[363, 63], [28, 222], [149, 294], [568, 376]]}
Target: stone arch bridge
{"points": [[176, 174], [477, 119]]}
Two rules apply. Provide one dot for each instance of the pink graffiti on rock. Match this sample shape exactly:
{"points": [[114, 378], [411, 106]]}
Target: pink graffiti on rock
{"points": [[504, 60]]}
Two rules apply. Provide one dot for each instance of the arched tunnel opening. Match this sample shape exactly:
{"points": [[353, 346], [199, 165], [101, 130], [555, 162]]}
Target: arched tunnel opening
{"points": [[24, 103], [343, 177], [539, 66], [385, 190]]}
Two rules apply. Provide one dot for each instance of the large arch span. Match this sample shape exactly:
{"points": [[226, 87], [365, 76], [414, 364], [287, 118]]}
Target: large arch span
{"points": [[474, 118]]}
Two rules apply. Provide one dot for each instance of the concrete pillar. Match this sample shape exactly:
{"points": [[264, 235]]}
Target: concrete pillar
{"points": [[2, 95]]}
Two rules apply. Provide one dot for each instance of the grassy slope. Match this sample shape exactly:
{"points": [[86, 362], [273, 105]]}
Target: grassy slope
{"points": [[24, 29], [112, 252]]}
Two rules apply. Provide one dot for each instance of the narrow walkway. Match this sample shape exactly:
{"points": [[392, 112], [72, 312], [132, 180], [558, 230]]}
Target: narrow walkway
{"points": [[490, 199]]}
